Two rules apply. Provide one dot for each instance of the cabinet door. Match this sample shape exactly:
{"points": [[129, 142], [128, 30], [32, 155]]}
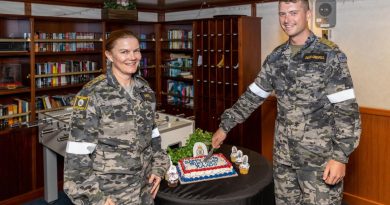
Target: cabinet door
{"points": [[17, 149], [227, 60]]}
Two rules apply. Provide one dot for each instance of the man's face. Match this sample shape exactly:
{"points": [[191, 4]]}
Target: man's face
{"points": [[293, 18]]}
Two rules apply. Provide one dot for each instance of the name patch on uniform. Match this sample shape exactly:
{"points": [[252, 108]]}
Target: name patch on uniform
{"points": [[81, 103], [315, 57]]}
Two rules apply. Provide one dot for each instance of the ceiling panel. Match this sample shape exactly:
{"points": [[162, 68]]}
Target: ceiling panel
{"points": [[156, 5], [175, 5]]}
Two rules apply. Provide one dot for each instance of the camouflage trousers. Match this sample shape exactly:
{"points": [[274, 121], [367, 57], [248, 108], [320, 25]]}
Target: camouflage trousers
{"points": [[126, 189], [304, 187]]}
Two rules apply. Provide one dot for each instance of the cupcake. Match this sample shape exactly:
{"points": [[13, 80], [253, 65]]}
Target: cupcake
{"points": [[233, 155], [244, 166], [238, 160], [172, 176]]}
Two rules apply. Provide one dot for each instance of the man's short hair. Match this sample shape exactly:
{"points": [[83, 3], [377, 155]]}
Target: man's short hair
{"points": [[304, 2]]}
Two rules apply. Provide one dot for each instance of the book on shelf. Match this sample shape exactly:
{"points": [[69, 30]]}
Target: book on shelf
{"points": [[179, 39], [67, 45], [180, 93], [63, 67], [45, 102], [23, 107], [178, 65], [19, 106]]}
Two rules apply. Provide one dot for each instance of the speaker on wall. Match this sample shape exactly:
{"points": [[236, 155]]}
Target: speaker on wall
{"points": [[325, 13]]}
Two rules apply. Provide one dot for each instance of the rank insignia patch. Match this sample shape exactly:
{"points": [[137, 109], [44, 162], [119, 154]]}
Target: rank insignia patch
{"points": [[315, 57], [81, 103], [342, 58], [147, 96]]}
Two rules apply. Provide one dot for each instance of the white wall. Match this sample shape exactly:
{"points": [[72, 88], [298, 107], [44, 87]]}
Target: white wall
{"points": [[208, 12], [362, 32]]}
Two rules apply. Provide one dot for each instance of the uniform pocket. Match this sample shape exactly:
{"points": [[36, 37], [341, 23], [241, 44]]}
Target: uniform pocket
{"points": [[119, 186], [117, 161]]}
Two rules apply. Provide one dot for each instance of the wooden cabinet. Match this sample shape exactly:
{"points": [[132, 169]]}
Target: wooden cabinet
{"points": [[67, 54], [227, 60], [15, 88], [44, 62], [19, 162]]}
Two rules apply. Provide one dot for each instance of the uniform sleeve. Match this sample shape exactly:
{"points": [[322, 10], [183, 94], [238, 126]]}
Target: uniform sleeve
{"points": [[160, 162], [80, 183], [251, 99], [341, 94]]}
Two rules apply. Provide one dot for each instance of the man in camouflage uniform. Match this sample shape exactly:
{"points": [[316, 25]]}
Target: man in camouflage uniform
{"points": [[114, 145], [318, 121]]}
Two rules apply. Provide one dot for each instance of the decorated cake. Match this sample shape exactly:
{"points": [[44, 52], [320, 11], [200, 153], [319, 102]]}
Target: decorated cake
{"points": [[195, 169]]}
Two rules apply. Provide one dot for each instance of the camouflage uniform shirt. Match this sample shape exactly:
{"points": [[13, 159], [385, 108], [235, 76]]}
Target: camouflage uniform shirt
{"points": [[114, 144], [318, 117]]}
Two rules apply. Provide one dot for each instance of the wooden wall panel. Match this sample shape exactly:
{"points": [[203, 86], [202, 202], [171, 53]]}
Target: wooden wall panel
{"points": [[368, 175], [368, 172], [268, 116]]}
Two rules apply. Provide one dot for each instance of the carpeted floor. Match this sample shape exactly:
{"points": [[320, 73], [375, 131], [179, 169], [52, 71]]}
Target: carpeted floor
{"points": [[62, 200]]}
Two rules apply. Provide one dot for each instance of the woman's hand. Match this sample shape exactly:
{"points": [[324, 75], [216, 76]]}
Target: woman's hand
{"points": [[155, 181], [109, 202]]}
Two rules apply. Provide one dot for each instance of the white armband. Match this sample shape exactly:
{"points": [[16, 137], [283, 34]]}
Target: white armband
{"points": [[341, 96], [80, 147], [155, 132], [258, 91]]}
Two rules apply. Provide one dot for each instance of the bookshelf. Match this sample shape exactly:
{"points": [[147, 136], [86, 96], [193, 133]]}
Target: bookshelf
{"points": [[15, 88], [176, 68]]}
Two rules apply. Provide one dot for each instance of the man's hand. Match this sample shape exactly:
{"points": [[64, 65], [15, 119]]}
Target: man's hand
{"points": [[334, 172], [109, 202], [155, 181], [218, 138]]}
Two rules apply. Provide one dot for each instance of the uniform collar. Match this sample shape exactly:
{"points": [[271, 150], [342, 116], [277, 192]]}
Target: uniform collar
{"points": [[111, 79], [309, 41]]}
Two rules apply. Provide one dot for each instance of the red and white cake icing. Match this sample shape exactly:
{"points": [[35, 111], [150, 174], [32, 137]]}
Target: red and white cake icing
{"points": [[194, 169]]}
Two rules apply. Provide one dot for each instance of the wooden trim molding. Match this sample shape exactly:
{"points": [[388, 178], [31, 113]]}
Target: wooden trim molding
{"points": [[375, 111], [353, 199], [20, 199]]}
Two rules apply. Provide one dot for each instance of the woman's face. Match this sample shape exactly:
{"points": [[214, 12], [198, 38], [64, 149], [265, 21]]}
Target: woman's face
{"points": [[125, 55]]}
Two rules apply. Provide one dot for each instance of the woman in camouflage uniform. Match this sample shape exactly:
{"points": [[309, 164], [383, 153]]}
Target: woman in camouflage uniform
{"points": [[114, 153]]}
